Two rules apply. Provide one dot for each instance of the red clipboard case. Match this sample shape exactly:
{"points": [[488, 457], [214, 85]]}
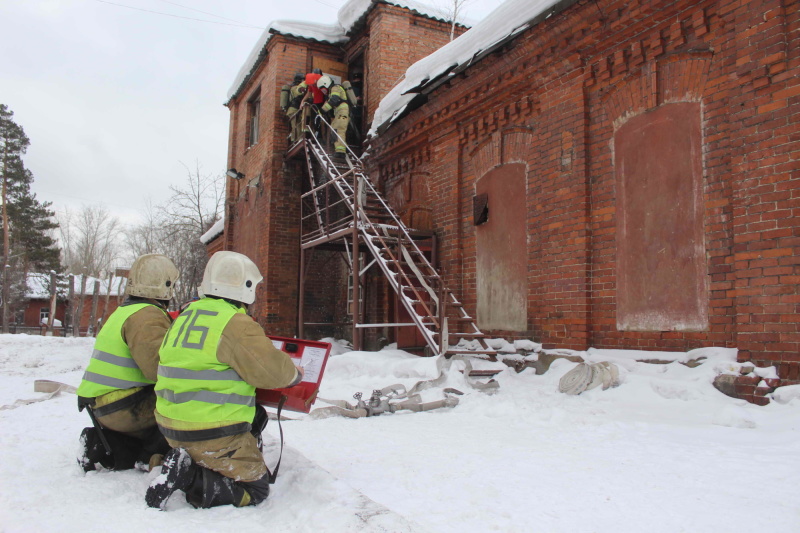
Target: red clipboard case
{"points": [[313, 355]]}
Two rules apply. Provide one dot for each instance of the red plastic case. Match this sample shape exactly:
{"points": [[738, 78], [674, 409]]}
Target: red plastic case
{"points": [[313, 356]]}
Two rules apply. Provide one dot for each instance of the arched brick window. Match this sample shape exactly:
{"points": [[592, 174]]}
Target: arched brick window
{"points": [[661, 266], [661, 262]]}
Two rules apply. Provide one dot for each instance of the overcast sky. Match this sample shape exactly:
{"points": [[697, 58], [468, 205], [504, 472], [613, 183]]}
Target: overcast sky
{"points": [[115, 100]]}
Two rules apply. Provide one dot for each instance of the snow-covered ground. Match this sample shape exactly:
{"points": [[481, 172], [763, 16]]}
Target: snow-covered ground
{"points": [[663, 452]]}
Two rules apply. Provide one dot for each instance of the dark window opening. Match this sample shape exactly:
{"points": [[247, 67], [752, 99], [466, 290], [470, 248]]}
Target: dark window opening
{"points": [[480, 209], [253, 113]]}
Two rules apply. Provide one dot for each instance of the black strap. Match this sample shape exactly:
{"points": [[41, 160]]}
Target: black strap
{"points": [[196, 435], [99, 429], [124, 403], [274, 475]]}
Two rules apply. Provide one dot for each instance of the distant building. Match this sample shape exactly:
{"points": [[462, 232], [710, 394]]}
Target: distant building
{"points": [[33, 314]]}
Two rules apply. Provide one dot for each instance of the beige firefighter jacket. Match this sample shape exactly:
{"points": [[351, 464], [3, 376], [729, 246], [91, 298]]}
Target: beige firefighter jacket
{"points": [[143, 332], [246, 349]]}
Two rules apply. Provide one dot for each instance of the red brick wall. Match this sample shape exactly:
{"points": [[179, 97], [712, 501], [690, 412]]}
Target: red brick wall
{"points": [[397, 40], [262, 210], [32, 310], [554, 101]]}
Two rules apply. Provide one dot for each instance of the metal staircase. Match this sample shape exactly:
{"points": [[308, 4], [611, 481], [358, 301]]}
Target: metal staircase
{"points": [[343, 206]]}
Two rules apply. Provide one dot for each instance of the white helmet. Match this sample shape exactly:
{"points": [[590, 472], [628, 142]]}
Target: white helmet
{"points": [[152, 276], [230, 275], [324, 82]]}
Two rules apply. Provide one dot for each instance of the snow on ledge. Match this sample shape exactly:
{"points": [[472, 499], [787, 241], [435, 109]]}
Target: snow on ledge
{"points": [[504, 23], [213, 232], [328, 33]]}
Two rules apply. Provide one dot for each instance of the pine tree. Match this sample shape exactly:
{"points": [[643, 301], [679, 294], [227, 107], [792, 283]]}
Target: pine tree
{"points": [[27, 222]]}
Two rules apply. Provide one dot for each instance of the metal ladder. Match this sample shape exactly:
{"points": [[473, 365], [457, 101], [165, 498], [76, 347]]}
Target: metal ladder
{"points": [[343, 203]]}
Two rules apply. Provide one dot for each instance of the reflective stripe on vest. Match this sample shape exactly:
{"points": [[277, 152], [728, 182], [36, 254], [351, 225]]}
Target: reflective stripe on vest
{"points": [[111, 367], [336, 90], [193, 385]]}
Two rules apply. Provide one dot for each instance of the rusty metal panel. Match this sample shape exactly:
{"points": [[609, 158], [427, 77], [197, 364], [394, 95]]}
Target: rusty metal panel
{"points": [[502, 257], [661, 262]]}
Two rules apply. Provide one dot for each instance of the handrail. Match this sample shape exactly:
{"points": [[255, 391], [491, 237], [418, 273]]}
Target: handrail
{"points": [[419, 286]]}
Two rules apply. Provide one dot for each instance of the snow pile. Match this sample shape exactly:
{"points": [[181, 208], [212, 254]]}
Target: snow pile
{"points": [[508, 20], [664, 449]]}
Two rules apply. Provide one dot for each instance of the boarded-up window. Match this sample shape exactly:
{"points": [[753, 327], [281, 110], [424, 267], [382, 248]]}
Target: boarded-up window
{"points": [[253, 116], [502, 251], [334, 69], [661, 263]]}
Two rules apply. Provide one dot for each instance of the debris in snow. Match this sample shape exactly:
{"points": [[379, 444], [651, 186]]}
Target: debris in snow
{"points": [[527, 346], [588, 376]]}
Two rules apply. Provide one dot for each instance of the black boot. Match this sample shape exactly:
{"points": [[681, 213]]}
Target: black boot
{"points": [[213, 489], [177, 473], [124, 450], [92, 452]]}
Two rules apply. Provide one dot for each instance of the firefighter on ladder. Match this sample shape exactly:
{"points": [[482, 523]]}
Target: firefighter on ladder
{"points": [[336, 104], [292, 97]]}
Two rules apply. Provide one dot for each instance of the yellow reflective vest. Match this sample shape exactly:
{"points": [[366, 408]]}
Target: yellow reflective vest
{"points": [[193, 385], [112, 368]]}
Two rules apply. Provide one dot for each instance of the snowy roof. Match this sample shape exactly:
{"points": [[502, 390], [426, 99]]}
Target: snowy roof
{"points": [[117, 285], [213, 231], [348, 16], [38, 286], [504, 24], [305, 30], [354, 11]]}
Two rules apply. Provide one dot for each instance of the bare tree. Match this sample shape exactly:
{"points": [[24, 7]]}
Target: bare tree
{"points": [[90, 240], [452, 11], [198, 204], [175, 228], [190, 212], [149, 237]]}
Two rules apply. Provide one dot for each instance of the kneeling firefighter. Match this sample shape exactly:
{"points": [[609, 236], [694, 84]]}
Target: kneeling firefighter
{"points": [[117, 387], [212, 360]]}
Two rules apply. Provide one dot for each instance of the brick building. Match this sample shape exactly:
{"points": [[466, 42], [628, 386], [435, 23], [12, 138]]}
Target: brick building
{"points": [[609, 174], [373, 41], [33, 311]]}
